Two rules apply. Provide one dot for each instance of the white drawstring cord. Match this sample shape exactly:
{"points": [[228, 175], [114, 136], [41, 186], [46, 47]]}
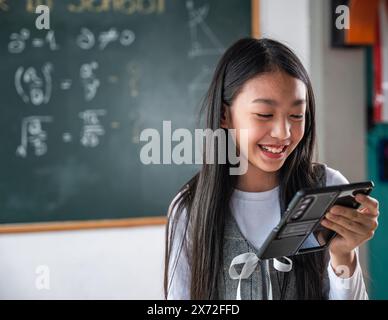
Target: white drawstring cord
{"points": [[250, 261]]}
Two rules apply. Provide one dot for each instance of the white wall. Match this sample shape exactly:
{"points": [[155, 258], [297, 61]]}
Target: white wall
{"points": [[125, 263], [288, 22]]}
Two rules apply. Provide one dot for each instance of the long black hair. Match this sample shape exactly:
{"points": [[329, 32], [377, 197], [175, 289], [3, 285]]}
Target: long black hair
{"points": [[205, 198]]}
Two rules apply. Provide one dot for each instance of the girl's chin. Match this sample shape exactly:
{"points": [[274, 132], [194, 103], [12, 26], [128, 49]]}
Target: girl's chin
{"points": [[269, 168], [266, 166]]}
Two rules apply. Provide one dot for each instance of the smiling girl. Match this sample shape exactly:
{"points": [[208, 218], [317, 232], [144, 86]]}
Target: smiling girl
{"points": [[261, 86]]}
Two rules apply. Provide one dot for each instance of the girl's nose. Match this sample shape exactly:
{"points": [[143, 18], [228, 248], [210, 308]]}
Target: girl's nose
{"points": [[281, 130]]}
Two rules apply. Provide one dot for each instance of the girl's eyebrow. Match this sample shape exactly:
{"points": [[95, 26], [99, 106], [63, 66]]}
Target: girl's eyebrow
{"points": [[274, 103]]}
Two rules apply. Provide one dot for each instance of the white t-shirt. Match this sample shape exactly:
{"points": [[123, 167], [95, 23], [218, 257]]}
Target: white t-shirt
{"points": [[256, 214]]}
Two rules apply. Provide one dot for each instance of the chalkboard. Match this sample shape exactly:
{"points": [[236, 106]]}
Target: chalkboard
{"points": [[75, 99]]}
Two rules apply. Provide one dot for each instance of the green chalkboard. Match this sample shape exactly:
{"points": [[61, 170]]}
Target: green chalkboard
{"points": [[75, 98]]}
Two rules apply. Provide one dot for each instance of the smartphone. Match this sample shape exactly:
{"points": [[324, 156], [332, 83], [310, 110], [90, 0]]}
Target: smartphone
{"points": [[300, 230]]}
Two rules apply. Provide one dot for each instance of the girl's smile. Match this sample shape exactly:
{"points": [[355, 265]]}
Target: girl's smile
{"points": [[273, 151]]}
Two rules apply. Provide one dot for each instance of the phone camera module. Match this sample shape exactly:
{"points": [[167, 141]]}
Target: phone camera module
{"points": [[297, 214], [307, 200]]}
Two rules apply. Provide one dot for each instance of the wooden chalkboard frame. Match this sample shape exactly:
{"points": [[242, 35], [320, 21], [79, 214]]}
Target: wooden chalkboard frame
{"points": [[112, 223]]}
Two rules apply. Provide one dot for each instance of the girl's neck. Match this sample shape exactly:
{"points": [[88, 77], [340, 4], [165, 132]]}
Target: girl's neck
{"points": [[256, 180]]}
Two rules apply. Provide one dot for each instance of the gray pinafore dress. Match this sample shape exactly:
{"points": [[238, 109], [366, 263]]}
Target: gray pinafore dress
{"points": [[256, 286]]}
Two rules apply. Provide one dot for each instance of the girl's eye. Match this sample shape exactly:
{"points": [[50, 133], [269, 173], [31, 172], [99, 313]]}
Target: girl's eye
{"points": [[296, 116]]}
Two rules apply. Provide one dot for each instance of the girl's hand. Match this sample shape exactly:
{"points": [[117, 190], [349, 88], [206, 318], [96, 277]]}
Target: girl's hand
{"points": [[353, 226]]}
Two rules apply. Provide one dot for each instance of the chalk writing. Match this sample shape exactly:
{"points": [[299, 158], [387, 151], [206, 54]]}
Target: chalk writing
{"points": [[33, 88], [128, 7], [197, 23], [92, 128], [33, 134], [86, 39], [89, 80], [32, 4], [65, 84], [17, 42]]}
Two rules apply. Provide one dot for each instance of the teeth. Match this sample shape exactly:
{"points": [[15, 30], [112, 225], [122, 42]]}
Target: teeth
{"points": [[272, 150]]}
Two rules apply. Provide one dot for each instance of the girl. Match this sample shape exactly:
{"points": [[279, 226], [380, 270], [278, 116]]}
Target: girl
{"points": [[261, 85]]}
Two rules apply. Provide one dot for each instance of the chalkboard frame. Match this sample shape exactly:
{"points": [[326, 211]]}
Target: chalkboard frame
{"points": [[113, 223]]}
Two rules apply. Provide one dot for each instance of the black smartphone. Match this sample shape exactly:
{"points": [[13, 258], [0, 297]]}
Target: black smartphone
{"points": [[300, 230]]}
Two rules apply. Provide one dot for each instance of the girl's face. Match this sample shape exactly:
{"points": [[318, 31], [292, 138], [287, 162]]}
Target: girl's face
{"points": [[272, 107]]}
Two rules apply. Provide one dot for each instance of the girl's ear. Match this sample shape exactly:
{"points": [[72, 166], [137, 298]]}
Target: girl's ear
{"points": [[225, 116]]}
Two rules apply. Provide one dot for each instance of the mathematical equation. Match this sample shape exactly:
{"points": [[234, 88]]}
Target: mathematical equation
{"points": [[86, 39], [34, 137], [35, 86]]}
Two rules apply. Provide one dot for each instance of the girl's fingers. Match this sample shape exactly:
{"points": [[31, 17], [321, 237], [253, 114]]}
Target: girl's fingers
{"points": [[371, 204], [355, 215], [337, 228], [351, 223], [348, 224]]}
